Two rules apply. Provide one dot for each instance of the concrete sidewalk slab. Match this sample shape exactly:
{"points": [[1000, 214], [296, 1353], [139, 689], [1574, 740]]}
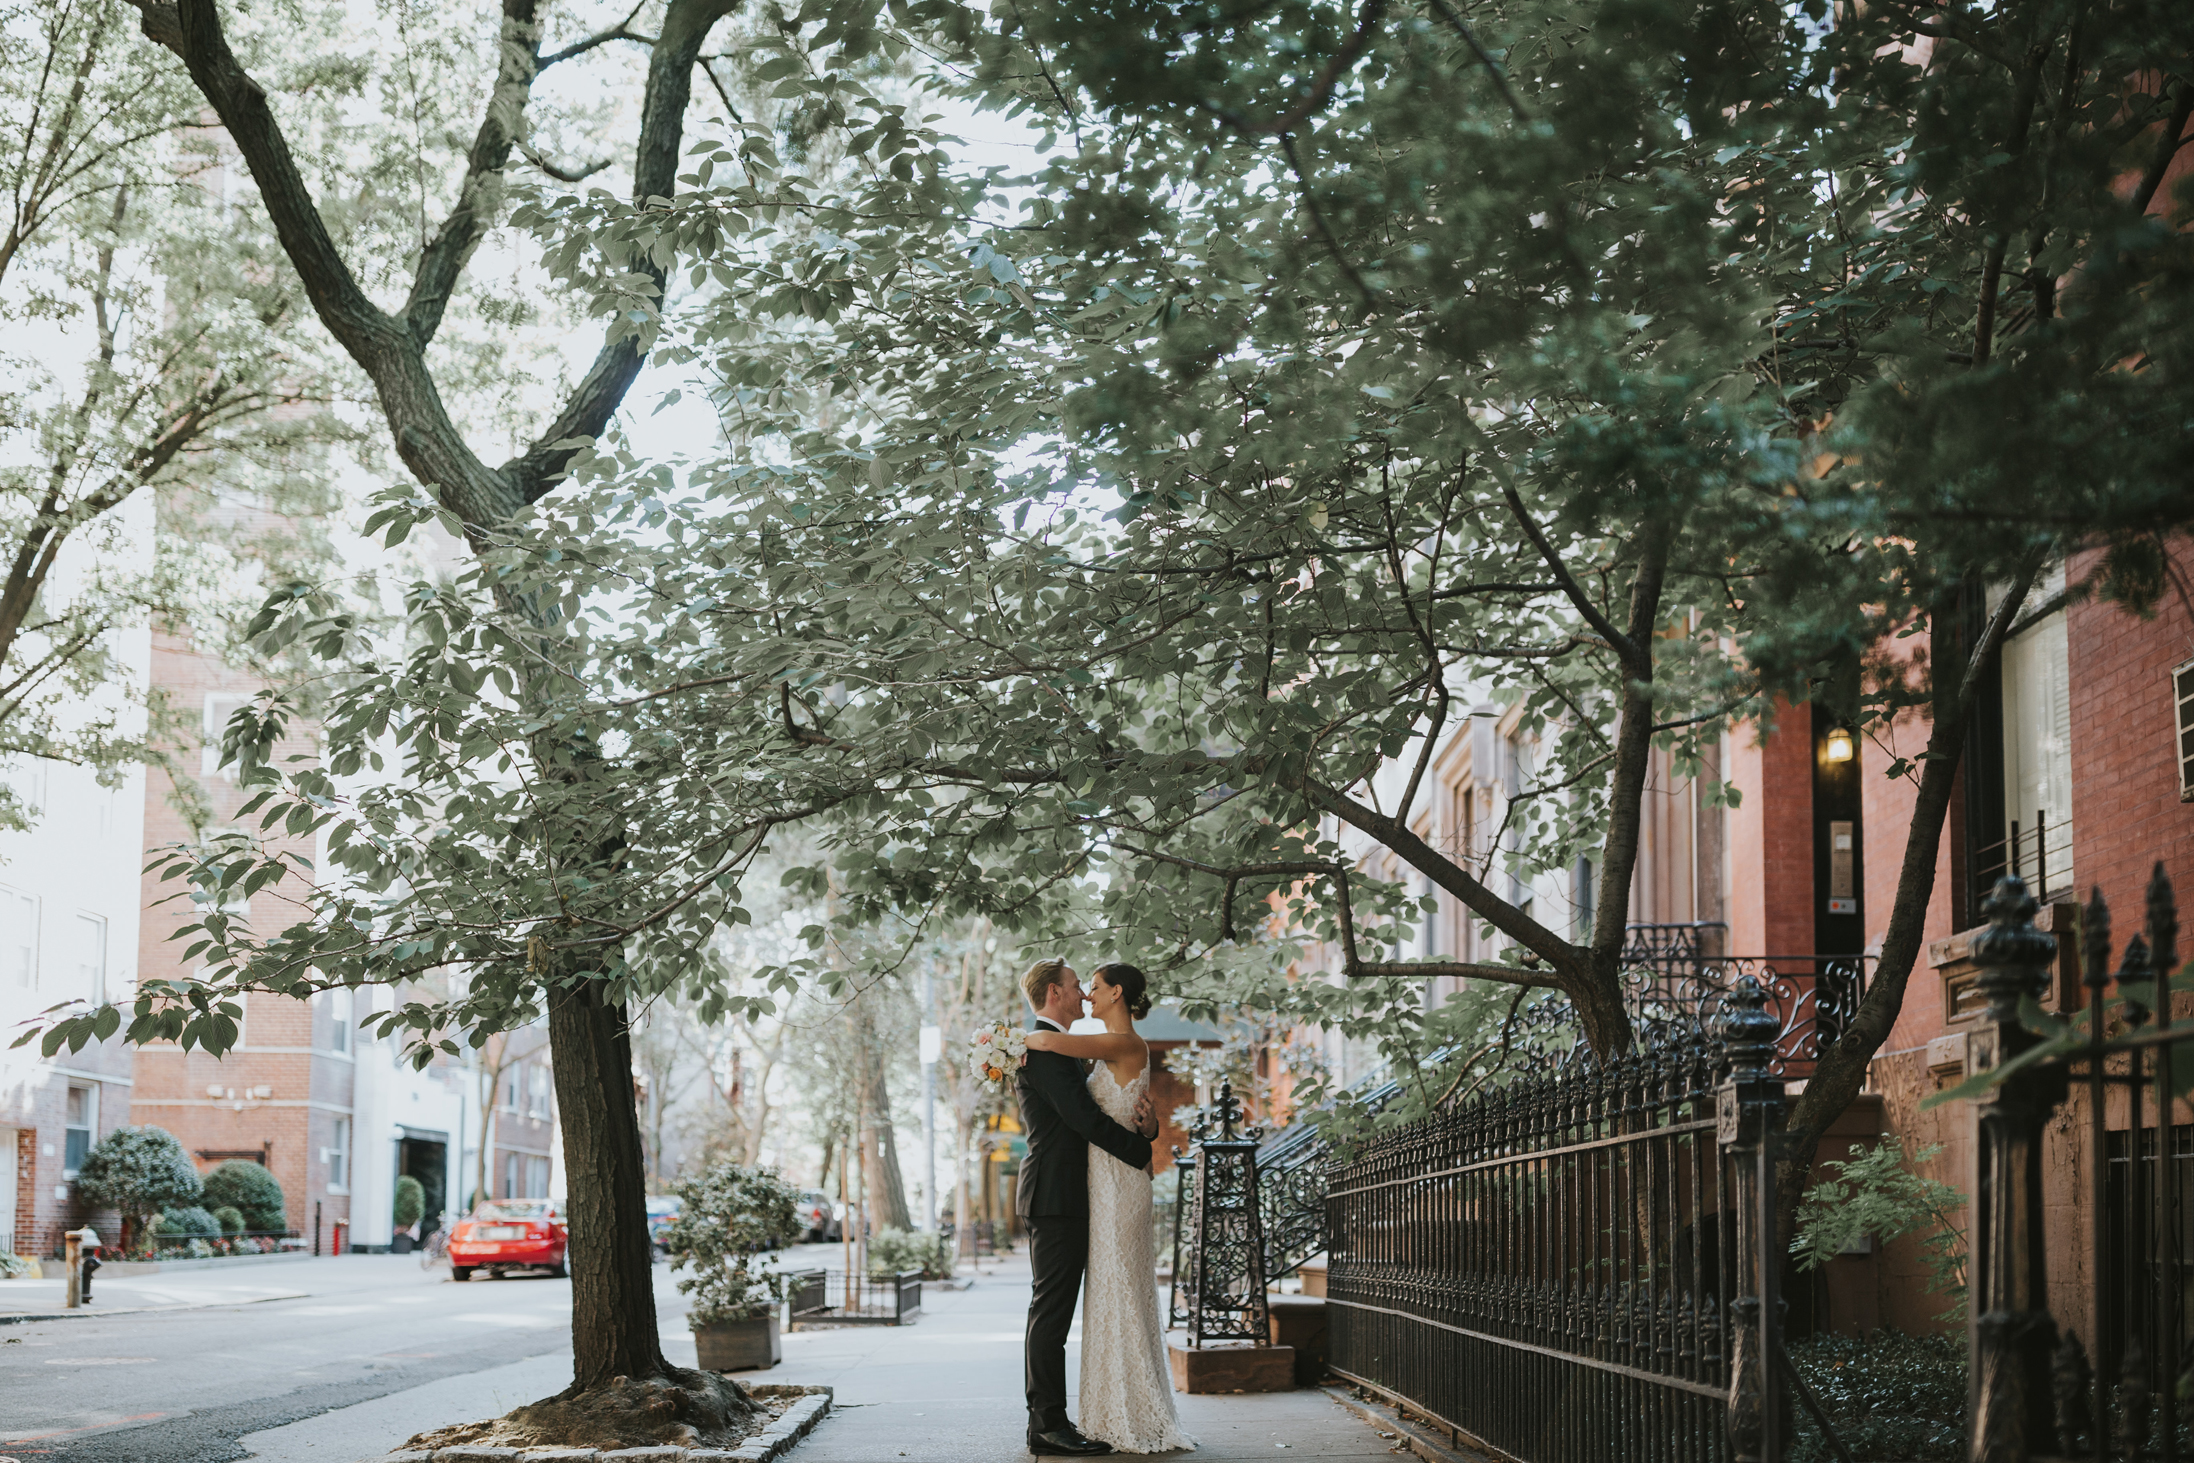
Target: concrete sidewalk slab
{"points": [[946, 1389]]}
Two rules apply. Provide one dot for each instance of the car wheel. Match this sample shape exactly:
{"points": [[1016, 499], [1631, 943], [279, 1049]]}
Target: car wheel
{"points": [[460, 1272]]}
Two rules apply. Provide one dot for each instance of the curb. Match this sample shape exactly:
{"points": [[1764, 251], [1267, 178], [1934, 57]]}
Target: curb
{"points": [[19, 1318], [1434, 1446], [772, 1442]]}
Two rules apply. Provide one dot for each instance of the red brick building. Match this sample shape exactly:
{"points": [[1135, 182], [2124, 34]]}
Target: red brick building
{"points": [[284, 1096]]}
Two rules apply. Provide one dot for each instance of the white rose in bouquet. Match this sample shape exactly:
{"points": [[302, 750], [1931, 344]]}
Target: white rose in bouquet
{"points": [[994, 1050]]}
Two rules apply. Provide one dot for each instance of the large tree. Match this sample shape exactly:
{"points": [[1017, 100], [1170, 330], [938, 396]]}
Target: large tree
{"points": [[158, 357], [626, 264]]}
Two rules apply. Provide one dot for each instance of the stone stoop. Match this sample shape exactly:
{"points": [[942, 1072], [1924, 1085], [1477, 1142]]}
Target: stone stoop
{"points": [[1232, 1367], [772, 1442]]}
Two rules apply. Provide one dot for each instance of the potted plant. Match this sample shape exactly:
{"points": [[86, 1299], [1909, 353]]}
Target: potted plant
{"points": [[731, 1216]]}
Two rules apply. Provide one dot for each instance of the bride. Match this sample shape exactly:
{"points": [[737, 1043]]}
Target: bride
{"points": [[1127, 1389]]}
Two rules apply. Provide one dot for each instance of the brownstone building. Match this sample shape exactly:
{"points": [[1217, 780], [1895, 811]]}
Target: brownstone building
{"points": [[285, 1094]]}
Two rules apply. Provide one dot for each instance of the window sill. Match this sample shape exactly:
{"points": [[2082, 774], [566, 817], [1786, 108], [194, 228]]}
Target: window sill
{"points": [[339, 1191]]}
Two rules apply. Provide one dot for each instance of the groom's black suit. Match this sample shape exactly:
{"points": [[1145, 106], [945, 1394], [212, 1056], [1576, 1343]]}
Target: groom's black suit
{"points": [[1062, 1120]]}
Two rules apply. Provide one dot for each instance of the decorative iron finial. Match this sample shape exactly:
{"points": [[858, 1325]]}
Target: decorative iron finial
{"points": [[1228, 1110], [2163, 924], [1748, 1033], [2095, 941], [2013, 955], [2132, 975]]}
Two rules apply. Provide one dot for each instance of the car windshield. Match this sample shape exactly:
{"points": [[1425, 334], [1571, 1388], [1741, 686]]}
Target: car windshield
{"points": [[513, 1209]]}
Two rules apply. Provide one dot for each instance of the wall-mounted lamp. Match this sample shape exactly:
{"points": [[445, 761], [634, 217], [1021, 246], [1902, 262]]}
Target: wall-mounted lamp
{"points": [[1839, 747]]}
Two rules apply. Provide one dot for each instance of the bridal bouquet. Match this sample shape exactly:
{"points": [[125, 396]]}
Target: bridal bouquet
{"points": [[993, 1052]]}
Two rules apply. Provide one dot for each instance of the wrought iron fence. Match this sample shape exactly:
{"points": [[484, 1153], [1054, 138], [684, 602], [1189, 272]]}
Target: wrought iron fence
{"points": [[2035, 1392], [828, 1297], [1552, 1268]]}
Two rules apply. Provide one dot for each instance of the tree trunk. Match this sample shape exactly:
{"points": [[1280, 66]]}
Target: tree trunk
{"points": [[612, 1280], [1842, 1069], [887, 1190]]}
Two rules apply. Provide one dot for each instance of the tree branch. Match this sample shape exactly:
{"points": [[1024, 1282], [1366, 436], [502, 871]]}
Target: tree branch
{"points": [[1615, 638]]}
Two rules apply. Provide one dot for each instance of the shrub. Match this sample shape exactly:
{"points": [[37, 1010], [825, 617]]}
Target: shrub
{"points": [[1898, 1399], [12, 1266], [730, 1215], [411, 1201], [1873, 1193], [893, 1250], [138, 1171], [230, 1218], [188, 1222], [249, 1189]]}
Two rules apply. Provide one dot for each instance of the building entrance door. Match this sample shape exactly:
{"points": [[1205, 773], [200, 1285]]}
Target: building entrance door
{"points": [[7, 1190], [424, 1156]]}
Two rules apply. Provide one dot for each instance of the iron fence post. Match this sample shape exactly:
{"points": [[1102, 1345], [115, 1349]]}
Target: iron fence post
{"points": [[2010, 1393], [1748, 1113]]}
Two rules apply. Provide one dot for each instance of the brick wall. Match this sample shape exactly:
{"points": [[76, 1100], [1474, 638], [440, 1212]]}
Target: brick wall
{"points": [[2126, 812], [1769, 902], [286, 1042]]}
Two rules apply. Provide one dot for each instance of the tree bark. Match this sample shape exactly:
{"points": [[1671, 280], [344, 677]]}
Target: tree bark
{"points": [[612, 1280], [1842, 1069], [887, 1190]]}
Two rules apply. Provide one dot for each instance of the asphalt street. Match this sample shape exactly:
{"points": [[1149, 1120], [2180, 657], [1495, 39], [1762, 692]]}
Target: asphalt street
{"points": [[225, 1353]]}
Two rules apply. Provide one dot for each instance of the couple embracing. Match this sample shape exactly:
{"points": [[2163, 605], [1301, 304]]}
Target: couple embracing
{"points": [[1085, 1198]]}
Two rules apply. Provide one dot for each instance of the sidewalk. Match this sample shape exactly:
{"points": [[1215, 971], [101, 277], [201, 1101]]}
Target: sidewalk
{"points": [[42, 1300], [946, 1389]]}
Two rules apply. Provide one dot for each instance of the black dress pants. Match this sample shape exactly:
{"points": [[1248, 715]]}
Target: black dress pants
{"points": [[1058, 1254]]}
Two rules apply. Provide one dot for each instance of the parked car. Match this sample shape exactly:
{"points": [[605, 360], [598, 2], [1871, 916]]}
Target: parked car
{"points": [[509, 1234], [820, 1217], [662, 1211]]}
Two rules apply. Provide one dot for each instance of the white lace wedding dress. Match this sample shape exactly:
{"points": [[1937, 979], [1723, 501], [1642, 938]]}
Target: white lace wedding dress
{"points": [[1127, 1388]]}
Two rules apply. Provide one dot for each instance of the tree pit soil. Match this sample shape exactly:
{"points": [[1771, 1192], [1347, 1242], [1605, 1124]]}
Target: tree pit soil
{"points": [[682, 1408]]}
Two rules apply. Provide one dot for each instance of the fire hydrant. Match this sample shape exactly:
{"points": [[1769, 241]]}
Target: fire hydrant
{"points": [[80, 1253]]}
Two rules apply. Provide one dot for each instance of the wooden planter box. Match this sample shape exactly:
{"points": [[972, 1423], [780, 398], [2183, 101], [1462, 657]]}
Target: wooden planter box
{"points": [[740, 1346]]}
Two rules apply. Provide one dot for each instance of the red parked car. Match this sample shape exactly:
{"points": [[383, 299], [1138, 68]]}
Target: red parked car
{"points": [[509, 1234]]}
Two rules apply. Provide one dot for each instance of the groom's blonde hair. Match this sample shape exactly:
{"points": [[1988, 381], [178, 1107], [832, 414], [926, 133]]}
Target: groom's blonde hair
{"points": [[1037, 981]]}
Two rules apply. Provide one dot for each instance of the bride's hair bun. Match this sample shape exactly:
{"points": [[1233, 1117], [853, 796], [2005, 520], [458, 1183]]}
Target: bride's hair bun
{"points": [[1131, 985]]}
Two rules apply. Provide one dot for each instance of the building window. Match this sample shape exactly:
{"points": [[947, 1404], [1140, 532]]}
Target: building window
{"points": [[510, 1176], [2182, 695], [537, 1092], [506, 1096], [338, 1156], [80, 1120], [91, 958], [19, 941], [220, 706], [339, 1020], [537, 1170]]}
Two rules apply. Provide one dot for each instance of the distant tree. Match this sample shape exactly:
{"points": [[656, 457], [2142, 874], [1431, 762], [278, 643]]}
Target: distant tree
{"points": [[139, 1172], [251, 1190], [411, 1201]]}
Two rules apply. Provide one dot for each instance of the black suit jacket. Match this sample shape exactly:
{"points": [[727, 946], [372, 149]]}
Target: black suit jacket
{"points": [[1062, 1120]]}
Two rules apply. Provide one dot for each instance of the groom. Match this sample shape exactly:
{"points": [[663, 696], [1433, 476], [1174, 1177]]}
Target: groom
{"points": [[1062, 1120]]}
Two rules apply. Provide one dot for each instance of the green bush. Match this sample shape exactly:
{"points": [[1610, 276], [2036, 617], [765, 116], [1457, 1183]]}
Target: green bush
{"points": [[249, 1189], [731, 1214], [12, 1266], [138, 1171], [1874, 1193], [188, 1222], [230, 1218], [1892, 1398], [894, 1250], [411, 1201]]}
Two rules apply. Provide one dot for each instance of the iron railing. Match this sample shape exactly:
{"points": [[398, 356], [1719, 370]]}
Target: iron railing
{"points": [[1678, 985], [1552, 1268], [2035, 1391], [819, 1297]]}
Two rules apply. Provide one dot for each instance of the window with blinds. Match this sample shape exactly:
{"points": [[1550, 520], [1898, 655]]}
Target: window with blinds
{"points": [[2182, 696]]}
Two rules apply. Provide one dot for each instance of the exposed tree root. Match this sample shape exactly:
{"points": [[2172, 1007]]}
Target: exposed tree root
{"points": [[690, 1409]]}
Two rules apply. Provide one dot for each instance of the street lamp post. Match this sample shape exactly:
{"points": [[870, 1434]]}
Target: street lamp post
{"points": [[932, 1049]]}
